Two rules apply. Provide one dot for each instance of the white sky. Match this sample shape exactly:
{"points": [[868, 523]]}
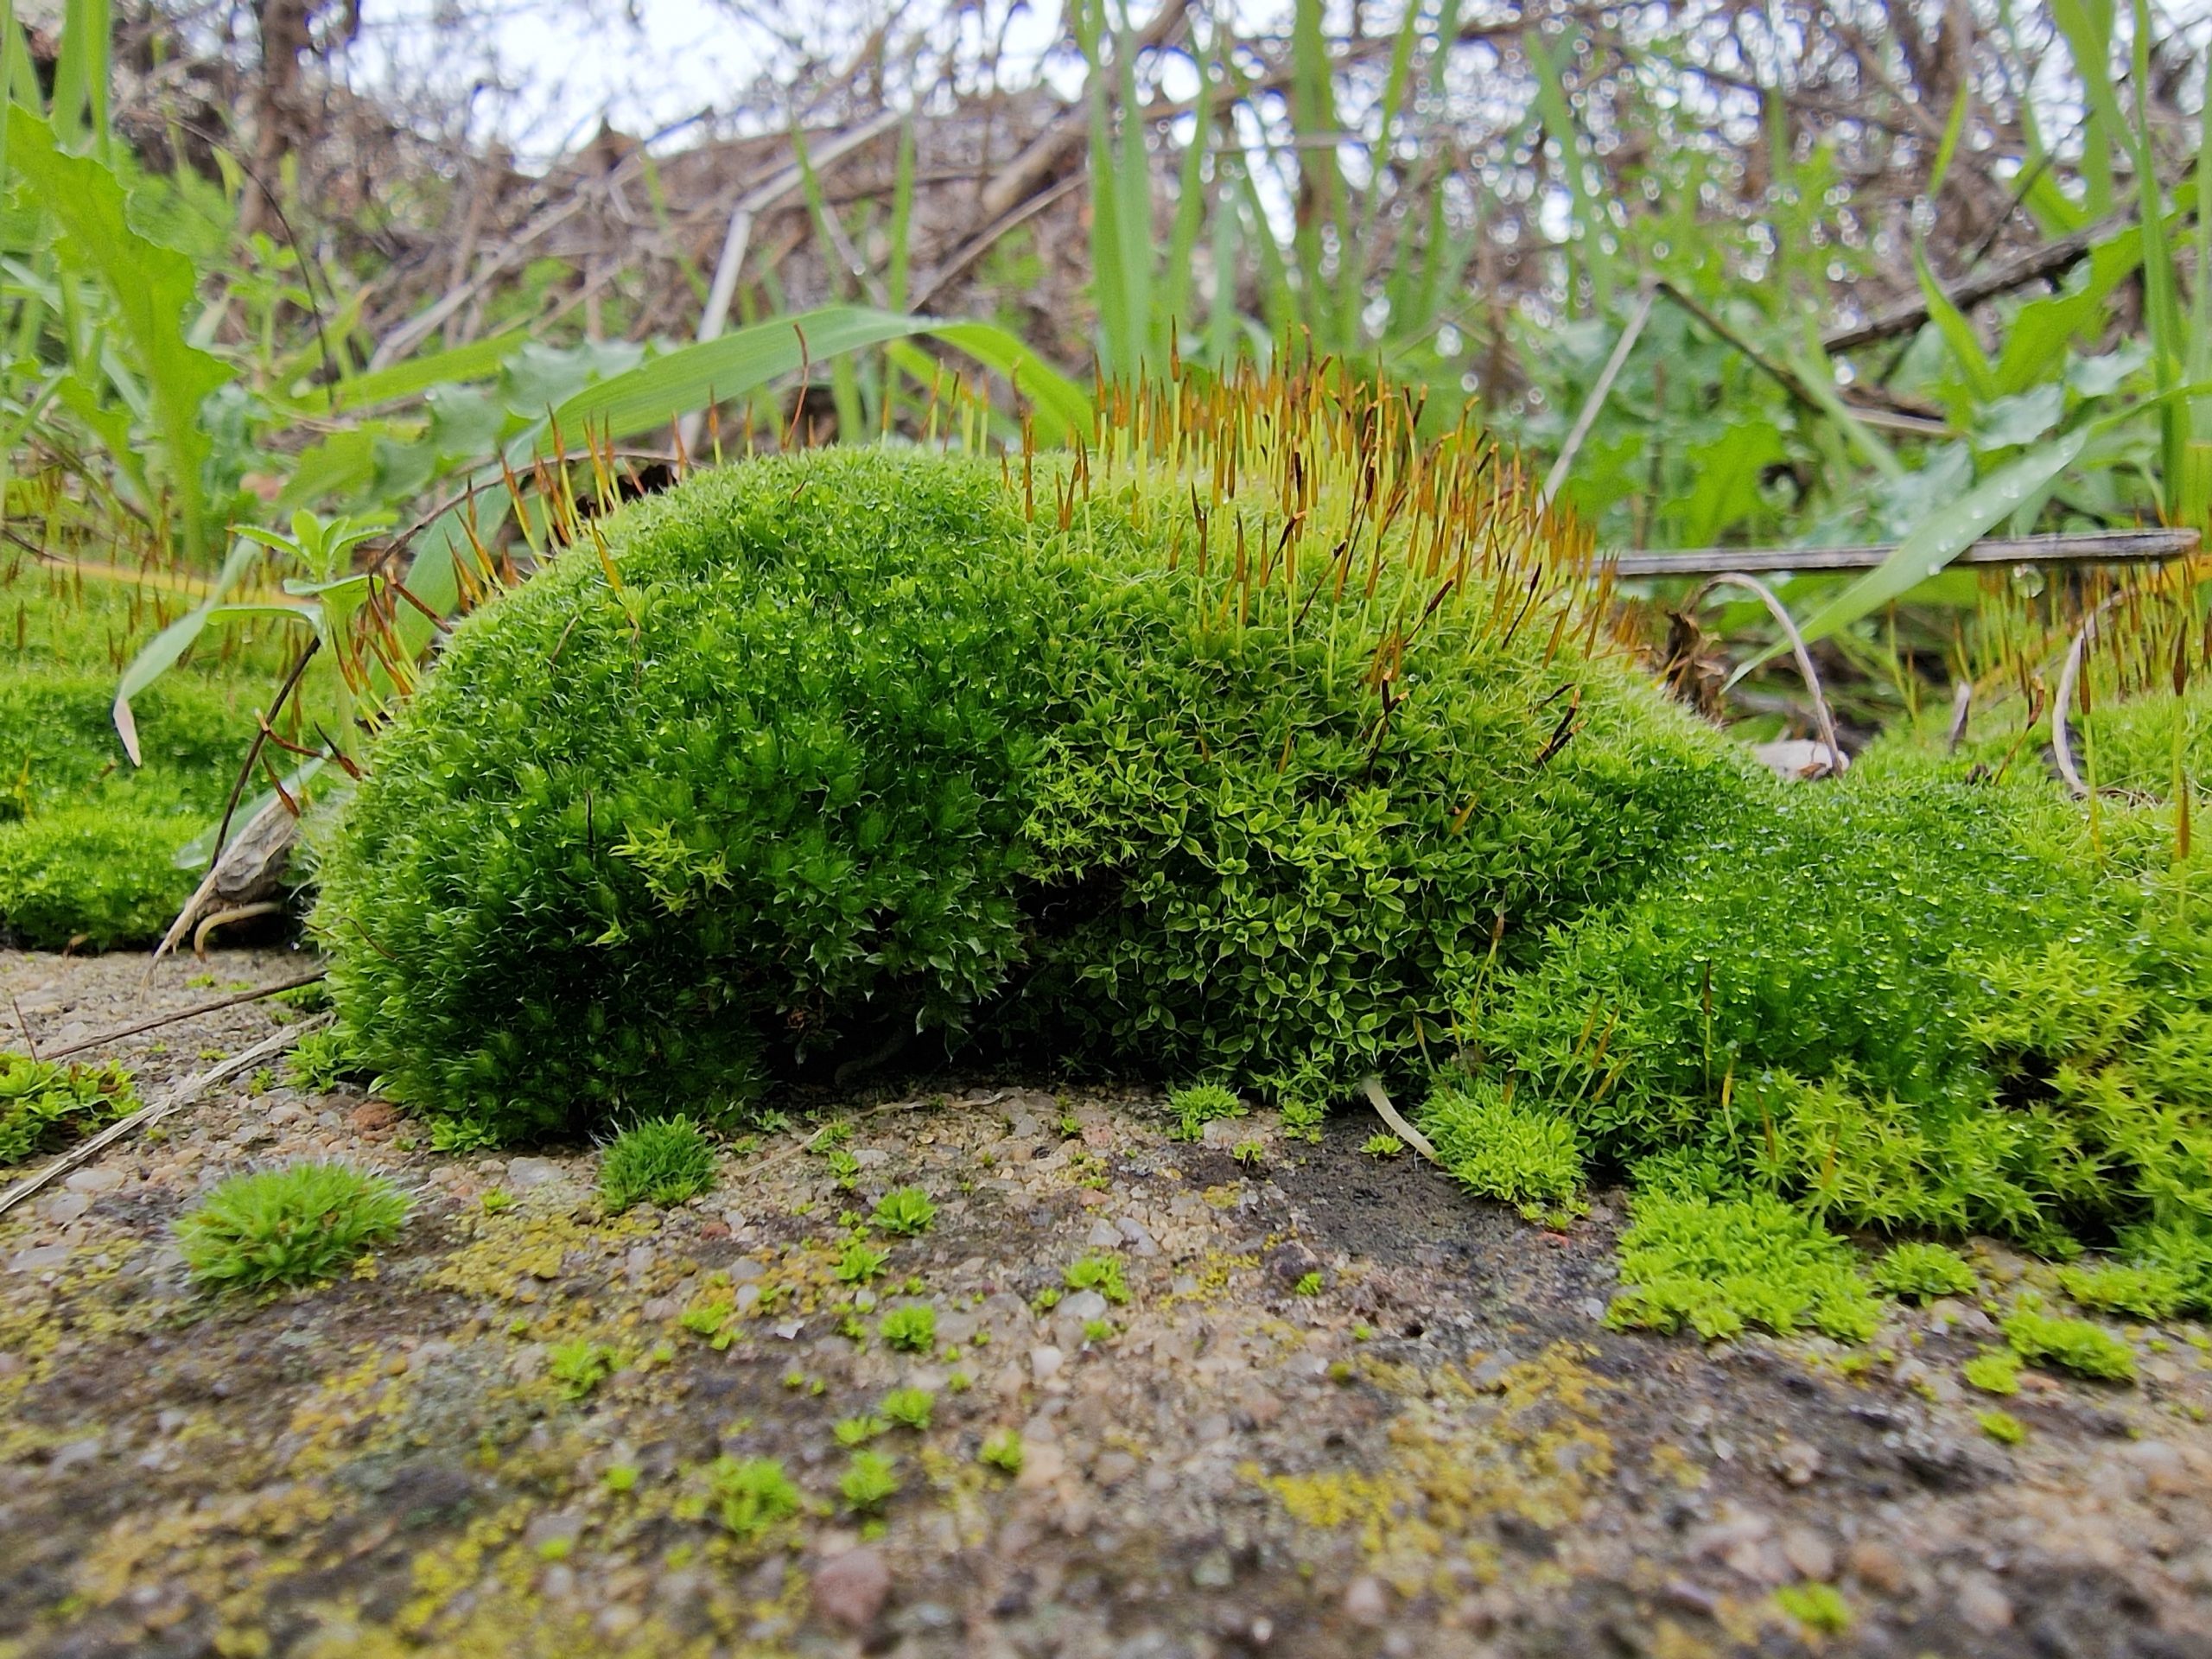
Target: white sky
{"points": [[545, 71]]}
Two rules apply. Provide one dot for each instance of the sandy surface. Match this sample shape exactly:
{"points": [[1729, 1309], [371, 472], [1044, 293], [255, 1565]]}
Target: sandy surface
{"points": [[1346, 1409]]}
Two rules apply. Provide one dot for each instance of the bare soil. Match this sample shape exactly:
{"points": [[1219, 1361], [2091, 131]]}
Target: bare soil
{"points": [[1346, 1409]]}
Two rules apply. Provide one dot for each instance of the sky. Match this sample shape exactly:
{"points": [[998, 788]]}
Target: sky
{"points": [[545, 71]]}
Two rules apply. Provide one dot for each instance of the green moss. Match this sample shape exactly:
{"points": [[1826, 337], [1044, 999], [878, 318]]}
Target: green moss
{"points": [[768, 793], [912, 1328], [1200, 1104], [320, 1059], [903, 1212], [1996, 1371], [853, 737], [46, 1105], [2146, 1292], [909, 1407], [2002, 1427], [87, 841], [287, 1226], [751, 1495], [1721, 1266], [578, 1368], [1501, 1148], [1101, 1274], [660, 1160], [861, 1263], [1001, 1449], [1819, 1607], [870, 1480], [2074, 1346], [1922, 1272]]}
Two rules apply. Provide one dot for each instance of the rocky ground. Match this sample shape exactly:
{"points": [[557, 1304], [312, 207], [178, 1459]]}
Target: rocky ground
{"points": [[1343, 1409]]}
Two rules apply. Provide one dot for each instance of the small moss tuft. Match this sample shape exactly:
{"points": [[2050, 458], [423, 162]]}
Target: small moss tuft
{"points": [[1001, 1449], [2002, 1427], [46, 1104], [1718, 1266], [2074, 1346], [2145, 1291], [861, 1263], [1501, 1148], [909, 1407], [1922, 1272], [1101, 1274], [1198, 1105], [751, 1495], [912, 1329], [291, 1226], [905, 1212], [1819, 1607], [1995, 1371], [662, 1160], [869, 1481]]}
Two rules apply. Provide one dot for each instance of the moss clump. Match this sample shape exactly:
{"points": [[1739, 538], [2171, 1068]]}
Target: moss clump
{"points": [[2074, 1346], [1501, 1149], [87, 841], [46, 1105], [663, 1160], [2002, 1427], [870, 1480], [1819, 1607], [909, 1407], [1200, 1104], [1720, 1266], [751, 1495], [290, 1226], [1921, 1272], [1996, 1371], [912, 1328], [1101, 1274], [2148, 1291], [768, 790], [845, 745], [903, 1212]]}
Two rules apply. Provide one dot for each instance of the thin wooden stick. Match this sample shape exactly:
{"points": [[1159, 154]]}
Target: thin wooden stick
{"points": [[183, 1095], [192, 1012], [1596, 400], [2095, 547]]}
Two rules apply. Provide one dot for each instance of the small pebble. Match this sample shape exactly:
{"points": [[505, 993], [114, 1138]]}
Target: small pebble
{"points": [[851, 1590], [1366, 1600], [1982, 1604]]}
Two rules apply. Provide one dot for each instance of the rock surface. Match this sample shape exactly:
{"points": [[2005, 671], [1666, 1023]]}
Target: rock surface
{"points": [[1445, 1453]]}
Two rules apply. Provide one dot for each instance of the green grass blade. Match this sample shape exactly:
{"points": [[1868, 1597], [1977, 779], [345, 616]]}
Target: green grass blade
{"points": [[1133, 196], [1117, 321], [902, 220], [1358, 256], [1190, 219], [80, 74], [150, 287], [734, 365], [1314, 127], [2087, 25], [1559, 122], [1958, 334], [1063, 411], [477, 361]]}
